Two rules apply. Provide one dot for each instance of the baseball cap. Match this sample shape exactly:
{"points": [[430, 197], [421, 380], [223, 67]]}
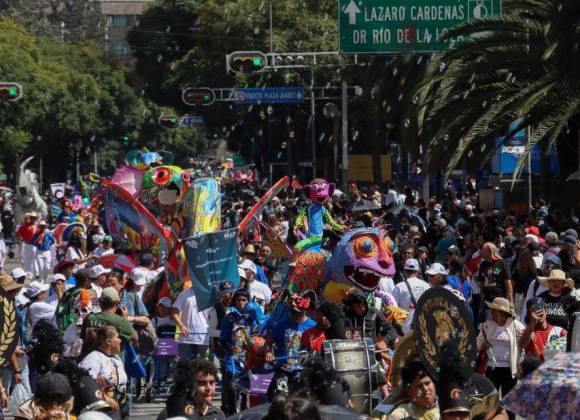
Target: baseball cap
{"points": [[139, 276], [248, 265], [411, 265], [242, 273], [109, 295], [569, 239], [53, 387], [18, 273], [98, 270], [571, 232], [165, 301], [551, 238], [552, 258], [436, 269], [226, 287], [56, 277], [36, 287]]}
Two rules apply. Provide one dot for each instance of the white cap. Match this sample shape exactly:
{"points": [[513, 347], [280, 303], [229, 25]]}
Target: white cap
{"points": [[411, 265], [36, 287], [248, 265], [55, 277], [98, 270], [21, 298], [435, 269], [139, 275], [532, 237], [18, 273], [242, 273]]}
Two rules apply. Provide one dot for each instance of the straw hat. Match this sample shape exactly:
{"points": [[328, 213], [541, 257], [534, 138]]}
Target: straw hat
{"points": [[249, 249], [7, 283], [557, 275], [501, 304]]}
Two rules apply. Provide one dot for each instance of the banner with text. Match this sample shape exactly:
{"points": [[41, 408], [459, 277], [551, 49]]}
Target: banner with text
{"points": [[398, 26], [212, 259]]}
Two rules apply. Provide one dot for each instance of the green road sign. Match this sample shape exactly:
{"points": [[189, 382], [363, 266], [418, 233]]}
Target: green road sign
{"points": [[401, 26]]}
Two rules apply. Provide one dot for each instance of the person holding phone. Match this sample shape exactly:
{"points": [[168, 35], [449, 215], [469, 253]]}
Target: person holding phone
{"points": [[538, 333]]}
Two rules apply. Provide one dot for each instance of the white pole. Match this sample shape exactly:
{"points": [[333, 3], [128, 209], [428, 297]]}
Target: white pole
{"points": [[344, 115]]}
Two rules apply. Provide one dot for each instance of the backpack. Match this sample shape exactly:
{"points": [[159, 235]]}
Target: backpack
{"points": [[65, 310]]}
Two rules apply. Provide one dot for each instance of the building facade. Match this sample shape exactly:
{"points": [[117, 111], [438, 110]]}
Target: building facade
{"points": [[121, 15]]}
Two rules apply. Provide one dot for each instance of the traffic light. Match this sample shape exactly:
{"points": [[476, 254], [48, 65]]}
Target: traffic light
{"points": [[168, 121], [247, 62], [10, 91], [198, 96]]}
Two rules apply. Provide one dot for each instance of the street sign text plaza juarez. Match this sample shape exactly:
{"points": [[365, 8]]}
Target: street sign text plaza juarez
{"points": [[393, 26]]}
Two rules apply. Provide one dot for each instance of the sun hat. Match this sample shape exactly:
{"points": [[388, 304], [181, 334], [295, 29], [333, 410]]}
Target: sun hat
{"points": [[556, 275], [436, 269], [411, 265], [249, 249], [502, 305], [7, 283], [248, 265], [36, 287], [42, 223]]}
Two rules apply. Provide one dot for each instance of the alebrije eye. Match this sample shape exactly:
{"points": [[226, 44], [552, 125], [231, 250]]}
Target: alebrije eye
{"points": [[364, 247]]}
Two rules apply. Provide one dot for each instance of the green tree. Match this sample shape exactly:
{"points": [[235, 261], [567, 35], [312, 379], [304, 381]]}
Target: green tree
{"points": [[524, 64]]}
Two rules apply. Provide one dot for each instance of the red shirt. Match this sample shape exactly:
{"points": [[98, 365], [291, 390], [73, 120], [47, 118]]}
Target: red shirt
{"points": [[312, 339], [26, 231]]}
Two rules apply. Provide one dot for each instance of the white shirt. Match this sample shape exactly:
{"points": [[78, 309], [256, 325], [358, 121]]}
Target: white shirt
{"points": [[98, 289], [41, 310], [500, 342], [108, 367], [212, 320], [387, 285], [193, 319], [72, 254], [402, 295], [100, 251], [261, 291]]}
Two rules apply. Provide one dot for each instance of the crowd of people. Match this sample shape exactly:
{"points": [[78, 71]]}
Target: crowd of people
{"points": [[87, 328]]}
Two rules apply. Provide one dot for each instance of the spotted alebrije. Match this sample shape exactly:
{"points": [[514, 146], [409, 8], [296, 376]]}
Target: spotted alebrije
{"points": [[364, 247]]}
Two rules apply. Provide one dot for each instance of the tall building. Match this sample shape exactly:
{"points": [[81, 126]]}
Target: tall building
{"points": [[121, 15]]}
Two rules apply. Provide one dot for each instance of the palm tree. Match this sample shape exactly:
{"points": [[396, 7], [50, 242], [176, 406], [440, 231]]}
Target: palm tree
{"points": [[523, 65]]}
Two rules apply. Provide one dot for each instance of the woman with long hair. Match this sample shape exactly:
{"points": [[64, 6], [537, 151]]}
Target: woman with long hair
{"points": [[524, 273], [76, 250]]}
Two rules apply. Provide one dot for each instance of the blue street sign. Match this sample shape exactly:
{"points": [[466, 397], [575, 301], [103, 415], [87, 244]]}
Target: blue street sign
{"points": [[285, 95], [192, 120]]}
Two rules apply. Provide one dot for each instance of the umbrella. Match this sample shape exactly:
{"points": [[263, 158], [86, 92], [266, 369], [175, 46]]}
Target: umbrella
{"points": [[363, 205], [119, 261], [327, 412], [551, 391]]}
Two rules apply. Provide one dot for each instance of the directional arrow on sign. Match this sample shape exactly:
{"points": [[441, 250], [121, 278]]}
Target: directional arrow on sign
{"points": [[352, 10]]}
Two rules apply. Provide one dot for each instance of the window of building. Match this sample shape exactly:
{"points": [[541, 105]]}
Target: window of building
{"points": [[120, 47], [120, 21]]}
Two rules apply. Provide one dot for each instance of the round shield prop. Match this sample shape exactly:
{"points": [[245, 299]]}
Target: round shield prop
{"points": [[8, 327], [439, 317]]}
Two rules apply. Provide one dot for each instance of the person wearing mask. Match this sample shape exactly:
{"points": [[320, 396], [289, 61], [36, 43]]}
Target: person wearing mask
{"points": [[501, 336], [192, 323], [43, 240], [25, 232], [39, 309], [259, 291], [239, 324], [106, 367], [558, 287], [408, 292], [539, 333], [495, 275]]}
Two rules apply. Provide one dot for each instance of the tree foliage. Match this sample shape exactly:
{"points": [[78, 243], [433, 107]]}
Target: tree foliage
{"points": [[524, 64]]}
